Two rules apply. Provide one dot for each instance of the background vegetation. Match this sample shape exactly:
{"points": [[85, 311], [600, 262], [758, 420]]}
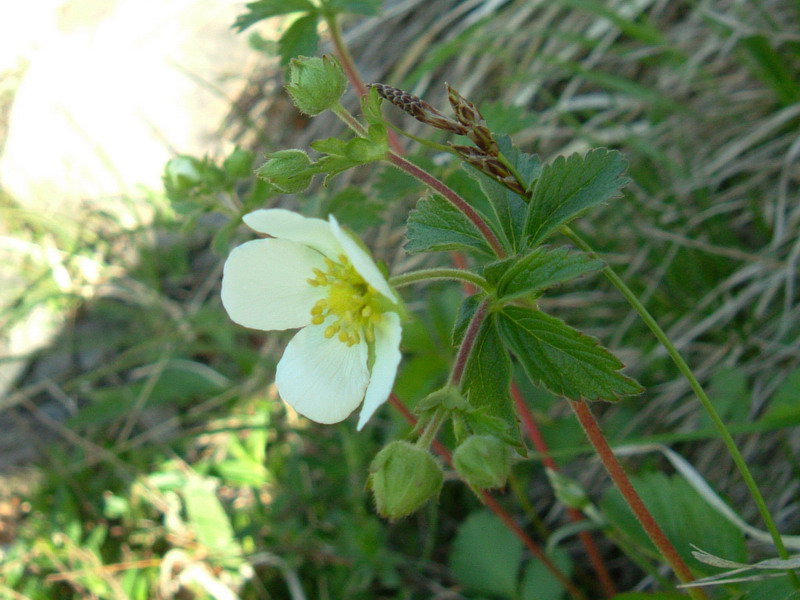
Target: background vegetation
{"points": [[165, 466]]}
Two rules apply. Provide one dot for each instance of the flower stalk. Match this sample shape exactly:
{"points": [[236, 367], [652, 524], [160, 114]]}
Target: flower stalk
{"points": [[620, 479], [438, 274], [470, 336], [497, 509]]}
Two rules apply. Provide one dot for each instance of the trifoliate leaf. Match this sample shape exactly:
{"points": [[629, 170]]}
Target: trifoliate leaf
{"points": [[569, 186], [508, 208], [562, 359], [264, 9], [436, 225], [301, 39], [542, 268]]}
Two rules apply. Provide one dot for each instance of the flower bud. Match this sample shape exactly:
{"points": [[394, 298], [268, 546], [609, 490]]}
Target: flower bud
{"points": [[403, 477], [567, 490], [483, 461], [315, 84], [182, 173], [287, 170]]}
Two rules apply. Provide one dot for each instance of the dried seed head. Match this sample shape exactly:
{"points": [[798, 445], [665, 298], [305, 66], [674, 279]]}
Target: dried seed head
{"points": [[419, 109], [490, 166], [469, 116]]}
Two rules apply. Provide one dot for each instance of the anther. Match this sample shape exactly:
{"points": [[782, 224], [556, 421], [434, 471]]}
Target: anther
{"points": [[317, 319]]}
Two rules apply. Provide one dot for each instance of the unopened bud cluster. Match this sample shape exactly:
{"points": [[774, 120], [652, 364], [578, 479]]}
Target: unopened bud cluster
{"points": [[483, 461]]}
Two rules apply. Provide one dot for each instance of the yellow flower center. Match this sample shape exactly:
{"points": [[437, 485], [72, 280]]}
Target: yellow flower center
{"points": [[350, 299]]}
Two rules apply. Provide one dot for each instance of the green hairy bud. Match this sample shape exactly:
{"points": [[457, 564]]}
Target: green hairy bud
{"points": [[315, 84], [403, 478], [483, 461], [287, 170], [183, 173]]}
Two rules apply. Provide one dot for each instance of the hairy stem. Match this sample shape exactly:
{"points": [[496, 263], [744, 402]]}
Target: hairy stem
{"points": [[470, 336], [452, 197], [620, 479], [349, 66], [687, 372], [532, 430], [497, 509], [437, 273]]}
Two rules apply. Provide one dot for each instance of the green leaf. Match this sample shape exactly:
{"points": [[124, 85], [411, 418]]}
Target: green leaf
{"points": [[683, 515], [371, 107], [508, 208], [485, 557], [436, 225], [538, 583], [301, 39], [264, 9], [569, 186], [564, 360], [543, 268], [465, 311], [487, 373], [357, 7]]}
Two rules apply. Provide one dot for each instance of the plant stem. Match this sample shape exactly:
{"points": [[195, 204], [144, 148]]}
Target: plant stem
{"points": [[349, 120], [497, 509], [470, 336], [349, 66], [437, 273], [686, 371], [452, 197], [620, 479], [532, 431], [431, 429]]}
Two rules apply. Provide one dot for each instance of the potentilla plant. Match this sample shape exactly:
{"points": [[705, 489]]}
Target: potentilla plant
{"points": [[314, 275]]}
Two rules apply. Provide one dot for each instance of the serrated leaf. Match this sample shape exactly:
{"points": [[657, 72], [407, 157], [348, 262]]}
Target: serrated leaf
{"points": [[542, 268], [569, 186], [485, 557], [564, 360], [357, 7], [436, 225], [487, 373], [487, 377], [301, 39], [264, 9], [508, 208], [528, 166]]}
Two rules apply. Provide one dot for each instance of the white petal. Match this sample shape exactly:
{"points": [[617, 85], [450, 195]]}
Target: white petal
{"points": [[288, 225], [387, 357], [362, 261], [322, 379], [264, 284]]}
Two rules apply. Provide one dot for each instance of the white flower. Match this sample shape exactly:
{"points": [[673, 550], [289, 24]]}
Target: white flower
{"points": [[311, 274]]}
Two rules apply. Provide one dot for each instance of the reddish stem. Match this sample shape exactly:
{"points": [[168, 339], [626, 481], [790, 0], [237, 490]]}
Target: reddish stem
{"points": [[620, 479], [497, 509], [450, 195], [346, 60], [532, 430], [465, 349]]}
